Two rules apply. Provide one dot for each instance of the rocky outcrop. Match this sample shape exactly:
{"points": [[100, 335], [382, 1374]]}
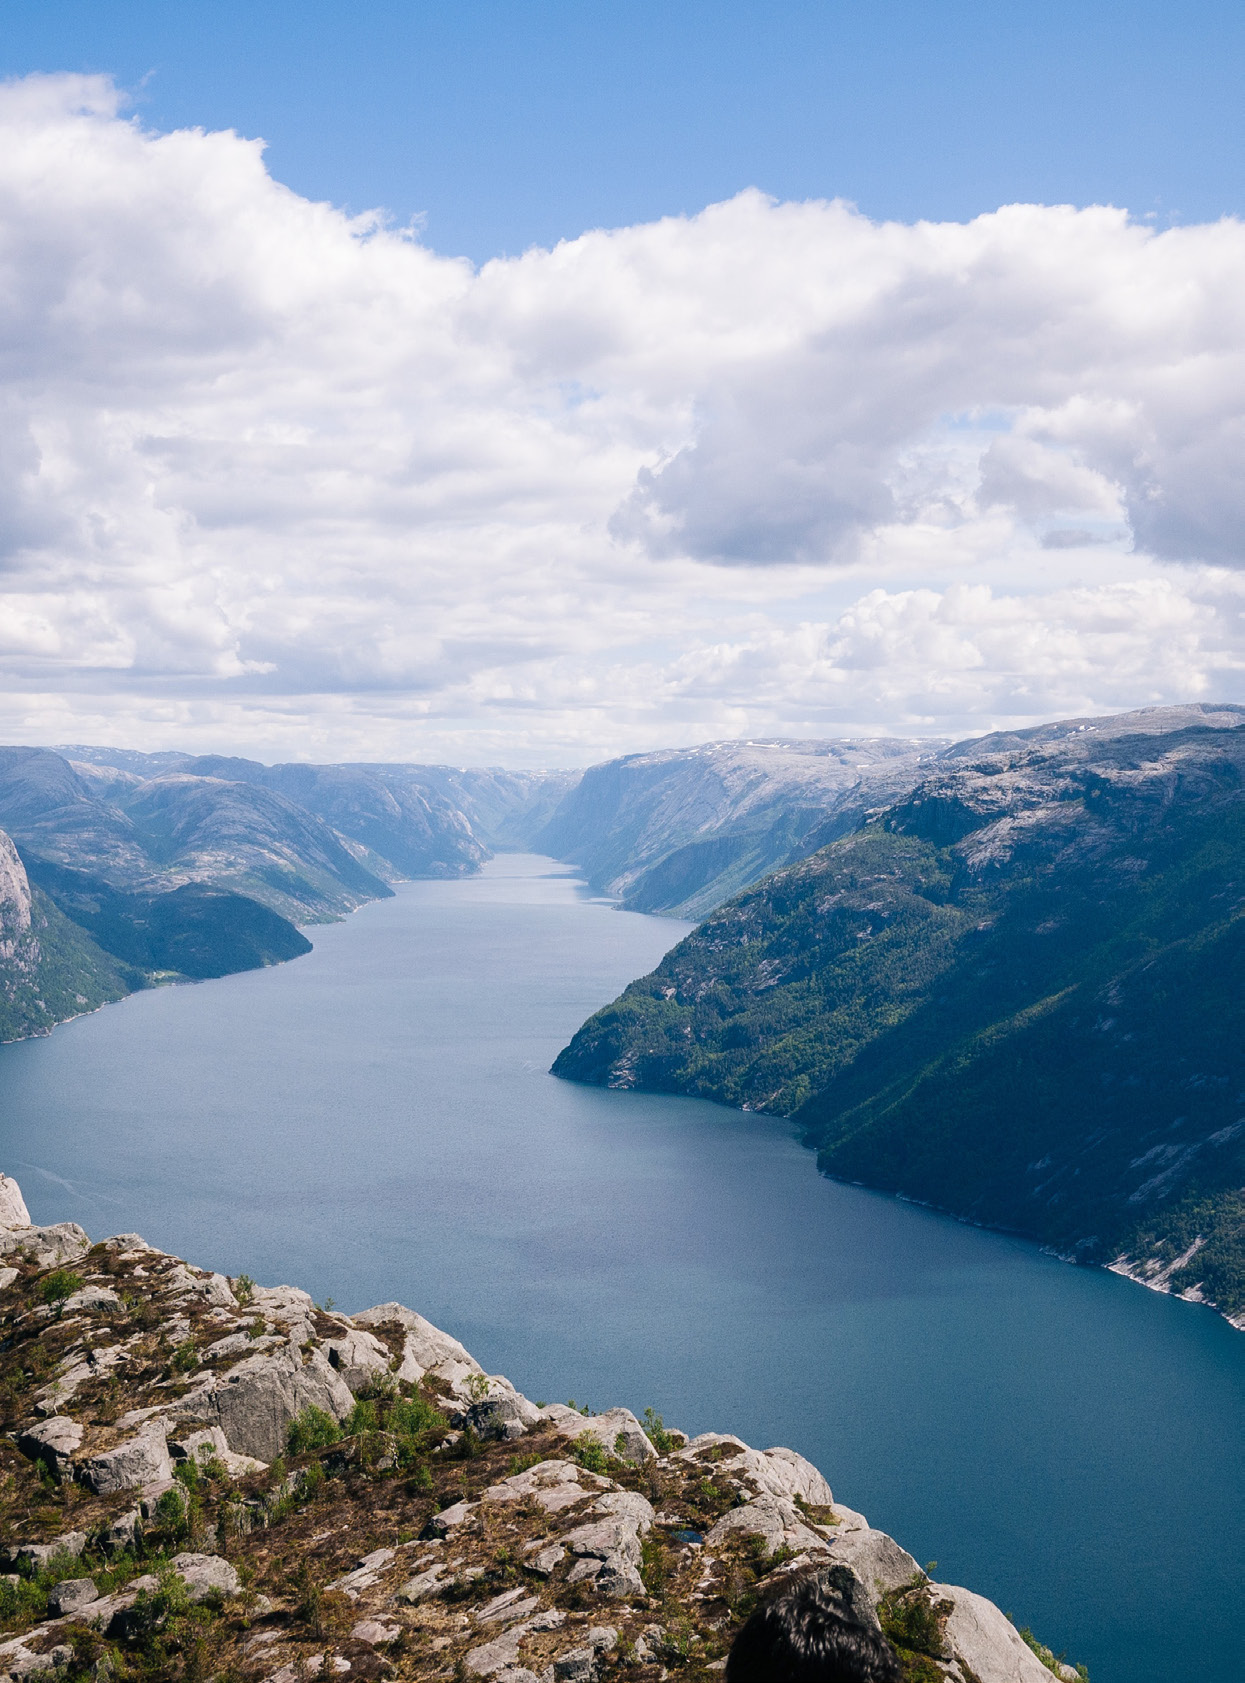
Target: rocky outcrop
{"points": [[443, 1516]]}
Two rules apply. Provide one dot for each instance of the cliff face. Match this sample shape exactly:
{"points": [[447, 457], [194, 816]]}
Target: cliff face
{"points": [[207, 1477], [49, 969], [681, 830], [1015, 995]]}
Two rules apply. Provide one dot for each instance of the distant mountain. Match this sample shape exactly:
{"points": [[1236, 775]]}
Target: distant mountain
{"points": [[1016, 994], [410, 820], [154, 867], [680, 830]]}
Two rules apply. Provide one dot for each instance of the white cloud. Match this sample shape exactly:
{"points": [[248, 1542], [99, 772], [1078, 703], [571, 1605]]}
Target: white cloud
{"points": [[276, 478]]}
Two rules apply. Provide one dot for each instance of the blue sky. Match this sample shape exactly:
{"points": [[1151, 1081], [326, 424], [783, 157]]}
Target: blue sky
{"points": [[519, 123]]}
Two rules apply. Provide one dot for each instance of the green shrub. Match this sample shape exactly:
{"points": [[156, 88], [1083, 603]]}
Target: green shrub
{"points": [[244, 1290], [590, 1453], [185, 1357], [656, 1433], [312, 1429], [59, 1284]]}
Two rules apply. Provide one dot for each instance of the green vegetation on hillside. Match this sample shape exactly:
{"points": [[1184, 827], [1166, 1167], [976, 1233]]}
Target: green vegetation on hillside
{"points": [[1016, 996], [56, 972]]}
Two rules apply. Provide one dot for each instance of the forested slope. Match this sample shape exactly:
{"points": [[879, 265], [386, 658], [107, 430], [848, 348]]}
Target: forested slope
{"points": [[1016, 995]]}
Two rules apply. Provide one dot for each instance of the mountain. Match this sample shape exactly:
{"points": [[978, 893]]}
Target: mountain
{"points": [[1015, 994], [49, 969], [681, 830], [409, 820], [206, 1477]]}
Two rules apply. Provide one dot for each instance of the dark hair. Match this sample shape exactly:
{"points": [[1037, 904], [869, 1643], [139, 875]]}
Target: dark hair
{"points": [[805, 1633]]}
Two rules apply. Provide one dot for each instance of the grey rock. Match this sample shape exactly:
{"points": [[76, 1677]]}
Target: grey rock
{"points": [[122, 1534], [980, 1635], [91, 1297], [877, 1560], [140, 1460], [358, 1356], [617, 1431], [200, 1446], [373, 1631], [70, 1595], [149, 1500], [496, 1655], [70, 1543], [544, 1561], [421, 1586], [449, 1518], [775, 1520], [13, 1211], [46, 1247], [55, 1442], [254, 1403], [206, 1574], [426, 1349], [500, 1412]]}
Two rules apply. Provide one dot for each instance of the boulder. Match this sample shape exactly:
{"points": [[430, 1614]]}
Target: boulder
{"points": [[13, 1211], [122, 1534], [91, 1297], [775, 1472], [425, 1348], [206, 1574], [254, 1403], [498, 1411], [609, 1545], [986, 1640], [358, 1356], [200, 1446], [55, 1442], [142, 1459], [617, 1430], [775, 1520], [46, 1247], [70, 1595], [877, 1560], [39, 1555]]}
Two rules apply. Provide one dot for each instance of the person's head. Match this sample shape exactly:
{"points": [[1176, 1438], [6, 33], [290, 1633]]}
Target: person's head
{"points": [[806, 1632]]}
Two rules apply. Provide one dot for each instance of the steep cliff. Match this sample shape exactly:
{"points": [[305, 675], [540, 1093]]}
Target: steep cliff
{"points": [[49, 969], [205, 1477], [681, 830], [1016, 995]]}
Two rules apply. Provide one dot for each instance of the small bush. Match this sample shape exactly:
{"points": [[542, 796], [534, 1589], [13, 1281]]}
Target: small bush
{"points": [[590, 1453], [244, 1290], [185, 1357], [656, 1433], [312, 1429], [59, 1284]]}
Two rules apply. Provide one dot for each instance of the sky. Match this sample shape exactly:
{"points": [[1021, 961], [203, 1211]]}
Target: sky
{"points": [[530, 383]]}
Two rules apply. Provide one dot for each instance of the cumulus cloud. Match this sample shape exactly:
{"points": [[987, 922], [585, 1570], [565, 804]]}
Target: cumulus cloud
{"points": [[283, 479]]}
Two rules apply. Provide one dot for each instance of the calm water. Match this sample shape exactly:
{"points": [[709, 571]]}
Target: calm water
{"points": [[375, 1121]]}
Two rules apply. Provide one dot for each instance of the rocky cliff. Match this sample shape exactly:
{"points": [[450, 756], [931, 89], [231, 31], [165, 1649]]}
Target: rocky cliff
{"points": [[1015, 994], [683, 829], [49, 969], [206, 1477]]}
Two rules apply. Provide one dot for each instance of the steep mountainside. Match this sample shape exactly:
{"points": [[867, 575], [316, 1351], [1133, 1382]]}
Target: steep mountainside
{"points": [[49, 969], [412, 820], [1016, 995], [155, 834], [681, 830], [202, 1477]]}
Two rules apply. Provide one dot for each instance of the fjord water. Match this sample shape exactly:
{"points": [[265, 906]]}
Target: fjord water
{"points": [[376, 1121]]}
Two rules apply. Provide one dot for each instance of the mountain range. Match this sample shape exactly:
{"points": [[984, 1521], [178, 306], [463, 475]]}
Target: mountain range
{"points": [[1014, 993]]}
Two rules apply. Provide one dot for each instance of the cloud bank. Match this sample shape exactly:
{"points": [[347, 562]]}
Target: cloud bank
{"points": [[276, 478]]}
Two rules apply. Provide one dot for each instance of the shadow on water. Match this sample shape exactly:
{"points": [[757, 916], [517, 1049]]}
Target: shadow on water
{"points": [[376, 1121]]}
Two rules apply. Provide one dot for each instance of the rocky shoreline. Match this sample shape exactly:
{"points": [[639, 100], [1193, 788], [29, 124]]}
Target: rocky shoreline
{"points": [[206, 1478]]}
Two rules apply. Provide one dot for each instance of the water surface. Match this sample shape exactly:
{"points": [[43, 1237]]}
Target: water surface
{"points": [[376, 1121]]}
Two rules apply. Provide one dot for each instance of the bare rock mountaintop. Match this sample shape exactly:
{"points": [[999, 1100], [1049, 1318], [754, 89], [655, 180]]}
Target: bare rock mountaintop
{"points": [[202, 1477]]}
